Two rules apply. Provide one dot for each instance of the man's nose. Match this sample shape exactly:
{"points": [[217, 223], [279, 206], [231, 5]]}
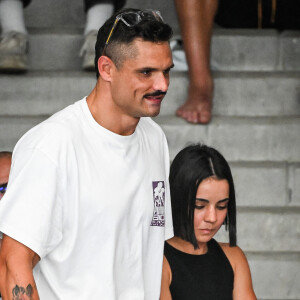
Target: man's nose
{"points": [[161, 82]]}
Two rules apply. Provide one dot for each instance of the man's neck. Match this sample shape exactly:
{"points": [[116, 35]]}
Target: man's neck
{"points": [[107, 114]]}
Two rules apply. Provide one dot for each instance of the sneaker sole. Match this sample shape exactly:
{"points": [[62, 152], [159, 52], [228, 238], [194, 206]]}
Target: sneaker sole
{"points": [[88, 62], [13, 64]]}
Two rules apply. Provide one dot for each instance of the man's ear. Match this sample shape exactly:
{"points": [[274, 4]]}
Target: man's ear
{"points": [[105, 65]]}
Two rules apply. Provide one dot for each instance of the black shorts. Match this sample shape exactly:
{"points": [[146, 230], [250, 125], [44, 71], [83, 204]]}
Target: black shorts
{"points": [[278, 14], [118, 4], [26, 2]]}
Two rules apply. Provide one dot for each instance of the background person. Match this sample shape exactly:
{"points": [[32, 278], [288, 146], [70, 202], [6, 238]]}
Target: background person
{"points": [[14, 42], [5, 164], [203, 198], [97, 12], [14, 37], [196, 20], [93, 215]]}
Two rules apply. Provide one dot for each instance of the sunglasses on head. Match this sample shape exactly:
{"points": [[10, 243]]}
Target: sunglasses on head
{"points": [[132, 18], [3, 188]]}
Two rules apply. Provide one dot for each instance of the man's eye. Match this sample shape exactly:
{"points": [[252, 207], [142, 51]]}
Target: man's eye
{"points": [[146, 72]]}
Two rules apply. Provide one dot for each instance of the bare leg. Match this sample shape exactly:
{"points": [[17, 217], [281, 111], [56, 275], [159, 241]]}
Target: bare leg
{"points": [[196, 19]]}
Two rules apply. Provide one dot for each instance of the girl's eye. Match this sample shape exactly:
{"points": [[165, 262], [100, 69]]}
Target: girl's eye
{"points": [[222, 207], [199, 206]]}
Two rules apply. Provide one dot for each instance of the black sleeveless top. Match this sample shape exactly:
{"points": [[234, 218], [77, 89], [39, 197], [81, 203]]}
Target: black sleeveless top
{"points": [[200, 277]]}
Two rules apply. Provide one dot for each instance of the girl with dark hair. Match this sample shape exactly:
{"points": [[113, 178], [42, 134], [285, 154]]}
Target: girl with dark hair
{"points": [[203, 198]]}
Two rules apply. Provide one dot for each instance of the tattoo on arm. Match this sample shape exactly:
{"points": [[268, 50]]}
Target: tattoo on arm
{"points": [[19, 292]]}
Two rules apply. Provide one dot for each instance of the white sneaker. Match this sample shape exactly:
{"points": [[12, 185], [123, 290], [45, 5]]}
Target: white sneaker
{"points": [[179, 58], [88, 51], [13, 52]]}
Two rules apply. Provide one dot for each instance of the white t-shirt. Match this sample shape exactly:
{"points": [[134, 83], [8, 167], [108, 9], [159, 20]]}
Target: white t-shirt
{"points": [[94, 205]]}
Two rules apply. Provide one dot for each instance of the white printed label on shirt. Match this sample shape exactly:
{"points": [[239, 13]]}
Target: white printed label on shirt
{"points": [[158, 218]]}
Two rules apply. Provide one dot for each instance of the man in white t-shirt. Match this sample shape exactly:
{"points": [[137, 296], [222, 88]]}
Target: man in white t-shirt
{"points": [[87, 207]]}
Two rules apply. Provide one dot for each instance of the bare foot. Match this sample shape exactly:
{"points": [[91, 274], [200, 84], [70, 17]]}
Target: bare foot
{"points": [[198, 106]]}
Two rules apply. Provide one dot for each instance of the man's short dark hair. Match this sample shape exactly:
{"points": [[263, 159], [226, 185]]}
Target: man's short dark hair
{"points": [[190, 167], [149, 29]]}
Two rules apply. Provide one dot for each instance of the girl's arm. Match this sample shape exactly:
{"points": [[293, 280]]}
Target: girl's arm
{"points": [[166, 279], [243, 289]]}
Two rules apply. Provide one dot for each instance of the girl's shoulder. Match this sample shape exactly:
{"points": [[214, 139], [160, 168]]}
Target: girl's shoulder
{"points": [[234, 254]]}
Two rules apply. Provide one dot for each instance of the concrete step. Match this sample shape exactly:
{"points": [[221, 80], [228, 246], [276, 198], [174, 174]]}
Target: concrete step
{"points": [[266, 184], [269, 229], [232, 50], [275, 276], [55, 14], [70, 14], [55, 50], [239, 139], [243, 93], [250, 49], [43, 93], [236, 93]]}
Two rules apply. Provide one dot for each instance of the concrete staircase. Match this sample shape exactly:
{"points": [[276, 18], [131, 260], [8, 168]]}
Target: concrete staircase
{"points": [[256, 123]]}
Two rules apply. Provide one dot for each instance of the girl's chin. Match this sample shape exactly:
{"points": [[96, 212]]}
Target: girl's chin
{"points": [[204, 239]]}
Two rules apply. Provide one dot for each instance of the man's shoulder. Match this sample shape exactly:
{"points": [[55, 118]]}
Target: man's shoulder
{"points": [[58, 128], [150, 125], [66, 117]]}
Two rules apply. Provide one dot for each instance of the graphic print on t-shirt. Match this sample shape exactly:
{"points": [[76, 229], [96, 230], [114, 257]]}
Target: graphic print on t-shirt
{"points": [[158, 218]]}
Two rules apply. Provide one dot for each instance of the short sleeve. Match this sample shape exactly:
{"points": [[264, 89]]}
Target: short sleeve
{"points": [[169, 232], [31, 211]]}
